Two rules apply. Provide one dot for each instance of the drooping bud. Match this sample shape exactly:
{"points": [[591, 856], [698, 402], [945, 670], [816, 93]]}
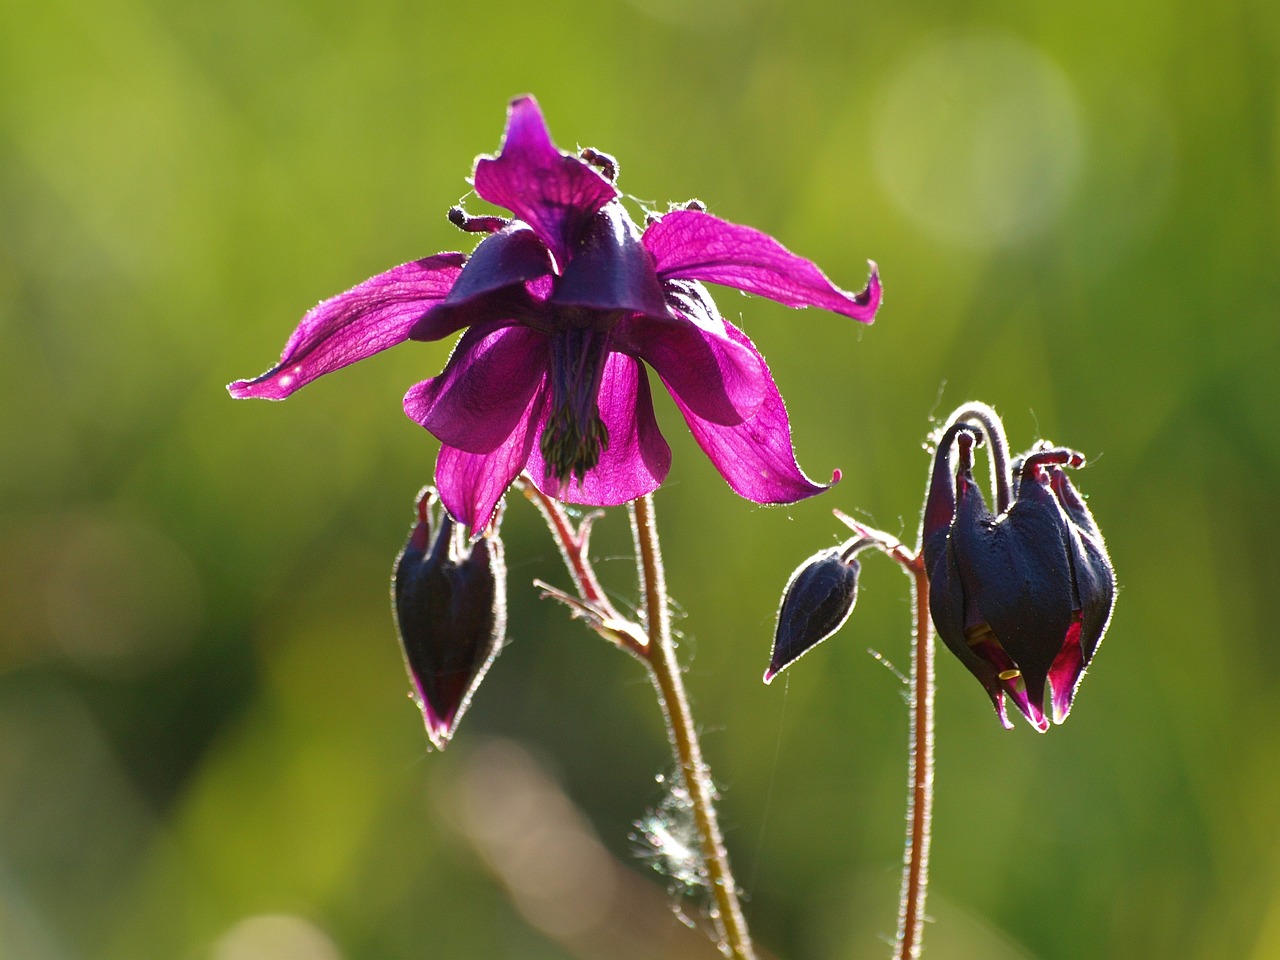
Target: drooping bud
{"points": [[1023, 596], [450, 603], [815, 604]]}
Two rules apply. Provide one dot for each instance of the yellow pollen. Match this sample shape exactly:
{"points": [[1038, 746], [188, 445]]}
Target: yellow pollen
{"points": [[1009, 674]]}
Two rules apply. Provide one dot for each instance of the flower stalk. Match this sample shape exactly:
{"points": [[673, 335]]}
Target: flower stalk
{"points": [[731, 925], [651, 643], [915, 861], [915, 855]]}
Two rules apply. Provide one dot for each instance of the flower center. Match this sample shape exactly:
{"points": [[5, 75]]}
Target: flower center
{"points": [[575, 436]]}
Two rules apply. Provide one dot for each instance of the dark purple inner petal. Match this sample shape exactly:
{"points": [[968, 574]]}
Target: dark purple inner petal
{"points": [[1017, 575], [492, 285], [609, 271], [509, 257]]}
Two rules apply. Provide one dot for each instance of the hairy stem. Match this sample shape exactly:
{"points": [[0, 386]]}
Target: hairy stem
{"points": [[572, 544], [915, 858], [667, 678]]}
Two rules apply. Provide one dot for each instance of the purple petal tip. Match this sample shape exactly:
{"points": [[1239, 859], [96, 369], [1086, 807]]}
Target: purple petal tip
{"points": [[439, 729], [266, 387], [769, 675], [872, 294]]}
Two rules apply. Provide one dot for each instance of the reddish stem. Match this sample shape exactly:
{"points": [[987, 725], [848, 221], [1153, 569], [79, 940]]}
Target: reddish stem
{"points": [[915, 860]]}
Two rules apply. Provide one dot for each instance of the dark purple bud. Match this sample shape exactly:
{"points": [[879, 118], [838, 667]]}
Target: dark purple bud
{"points": [[450, 600], [1022, 597], [815, 604]]}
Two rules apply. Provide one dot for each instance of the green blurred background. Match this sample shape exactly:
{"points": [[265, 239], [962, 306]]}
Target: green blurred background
{"points": [[205, 746]]}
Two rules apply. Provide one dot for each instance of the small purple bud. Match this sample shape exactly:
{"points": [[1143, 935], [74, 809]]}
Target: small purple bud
{"points": [[815, 604], [1022, 597], [450, 602]]}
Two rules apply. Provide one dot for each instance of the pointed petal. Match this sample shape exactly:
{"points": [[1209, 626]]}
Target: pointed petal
{"points": [[485, 388], [609, 270], [1071, 501], [1066, 673], [1096, 587], [1028, 699], [755, 457], [471, 484], [940, 503], [1093, 574], [718, 378], [1002, 678], [947, 608], [637, 458], [555, 194], [1017, 576], [365, 320], [698, 246]]}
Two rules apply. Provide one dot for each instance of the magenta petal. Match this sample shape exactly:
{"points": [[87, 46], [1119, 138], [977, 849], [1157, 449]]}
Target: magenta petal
{"points": [[755, 457], [637, 458], [365, 320], [715, 377], [555, 194], [485, 388], [471, 484], [1065, 673], [698, 246]]}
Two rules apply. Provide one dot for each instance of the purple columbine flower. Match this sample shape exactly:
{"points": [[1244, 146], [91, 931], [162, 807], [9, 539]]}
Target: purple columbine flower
{"points": [[563, 306]]}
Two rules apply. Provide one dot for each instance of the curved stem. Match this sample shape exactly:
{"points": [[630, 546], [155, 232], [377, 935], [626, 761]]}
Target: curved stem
{"points": [[572, 542], [915, 860], [731, 925], [998, 447]]}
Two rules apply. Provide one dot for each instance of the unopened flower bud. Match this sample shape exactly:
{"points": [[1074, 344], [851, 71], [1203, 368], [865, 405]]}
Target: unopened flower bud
{"points": [[815, 604], [451, 611], [1022, 596]]}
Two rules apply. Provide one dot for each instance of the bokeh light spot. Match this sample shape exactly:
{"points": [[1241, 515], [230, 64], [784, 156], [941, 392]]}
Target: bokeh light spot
{"points": [[275, 937], [978, 139]]}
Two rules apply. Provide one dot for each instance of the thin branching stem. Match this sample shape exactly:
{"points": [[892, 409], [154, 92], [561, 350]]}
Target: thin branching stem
{"points": [[572, 545], [915, 856], [651, 643], [731, 925]]}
